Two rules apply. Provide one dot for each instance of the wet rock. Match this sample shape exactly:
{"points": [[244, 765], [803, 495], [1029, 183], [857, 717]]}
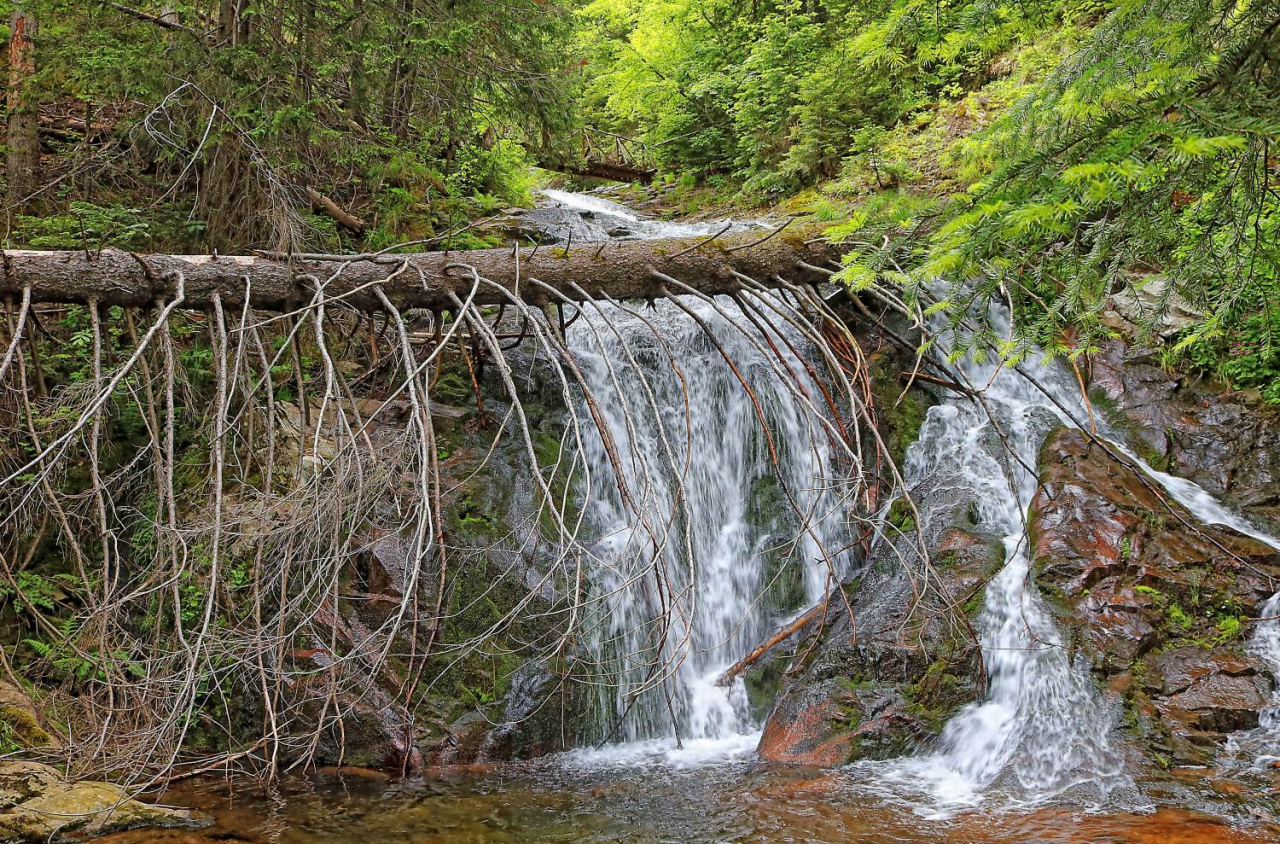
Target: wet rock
{"points": [[1138, 305], [37, 805], [1157, 600], [463, 742], [538, 715], [808, 728], [881, 687], [888, 670], [387, 563], [532, 723], [1226, 441], [523, 229], [362, 722]]}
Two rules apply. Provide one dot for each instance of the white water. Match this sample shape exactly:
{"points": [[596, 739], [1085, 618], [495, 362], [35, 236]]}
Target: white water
{"points": [[691, 552], [641, 228], [1265, 741], [1042, 730]]}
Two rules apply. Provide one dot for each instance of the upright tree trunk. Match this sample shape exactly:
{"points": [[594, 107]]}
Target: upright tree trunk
{"points": [[233, 23], [23, 163]]}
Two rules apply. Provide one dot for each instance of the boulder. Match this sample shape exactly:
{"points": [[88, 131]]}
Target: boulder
{"points": [[1160, 602], [879, 684], [38, 805], [1149, 297]]}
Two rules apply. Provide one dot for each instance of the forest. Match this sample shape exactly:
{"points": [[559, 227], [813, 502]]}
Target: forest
{"points": [[336, 434], [1110, 145]]}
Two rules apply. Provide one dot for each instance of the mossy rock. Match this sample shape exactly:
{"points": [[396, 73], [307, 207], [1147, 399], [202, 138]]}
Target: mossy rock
{"points": [[37, 805], [899, 416], [763, 683], [19, 725]]}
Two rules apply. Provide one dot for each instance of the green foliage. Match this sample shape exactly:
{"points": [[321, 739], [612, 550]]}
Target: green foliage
{"points": [[1050, 154], [1146, 154], [36, 593], [84, 226], [1178, 617], [209, 132], [780, 93]]}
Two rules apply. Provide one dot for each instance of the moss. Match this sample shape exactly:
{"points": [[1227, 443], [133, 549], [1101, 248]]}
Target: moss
{"points": [[21, 730], [479, 597], [768, 512], [901, 516], [547, 449], [936, 695], [763, 683], [1228, 627], [452, 387], [1178, 617], [899, 415], [466, 518]]}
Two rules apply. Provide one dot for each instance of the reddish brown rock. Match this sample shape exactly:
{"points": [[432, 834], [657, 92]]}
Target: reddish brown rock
{"points": [[801, 734], [1227, 441], [1161, 602]]}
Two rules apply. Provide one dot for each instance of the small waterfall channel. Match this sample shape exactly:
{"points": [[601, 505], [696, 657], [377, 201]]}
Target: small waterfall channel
{"points": [[1043, 730]]}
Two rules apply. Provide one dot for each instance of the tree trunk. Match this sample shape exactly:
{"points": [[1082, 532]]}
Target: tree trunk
{"points": [[621, 269], [23, 163], [600, 170], [233, 23]]}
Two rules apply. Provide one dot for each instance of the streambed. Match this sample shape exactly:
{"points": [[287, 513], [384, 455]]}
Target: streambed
{"points": [[572, 799]]}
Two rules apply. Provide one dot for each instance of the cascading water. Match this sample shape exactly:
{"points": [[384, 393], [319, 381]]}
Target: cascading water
{"points": [[1042, 729], [697, 554], [689, 573], [1265, 741], [687, 577], [624, 224]]}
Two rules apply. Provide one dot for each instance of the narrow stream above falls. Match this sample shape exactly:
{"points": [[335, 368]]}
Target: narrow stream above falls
{"points": [[1037, 759]]}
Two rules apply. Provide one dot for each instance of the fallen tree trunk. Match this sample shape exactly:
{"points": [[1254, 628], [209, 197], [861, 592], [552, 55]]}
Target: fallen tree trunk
{"points": [[811, 615], [602, 170], [619, 269]]}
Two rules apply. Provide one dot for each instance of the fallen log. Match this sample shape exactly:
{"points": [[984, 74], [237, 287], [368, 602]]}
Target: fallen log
{"points": [[619, 269], [623, 173]]}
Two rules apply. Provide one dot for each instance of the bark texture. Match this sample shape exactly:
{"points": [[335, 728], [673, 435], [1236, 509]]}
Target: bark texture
{"points": [[622, 270], [23, 160], [600, 170]]}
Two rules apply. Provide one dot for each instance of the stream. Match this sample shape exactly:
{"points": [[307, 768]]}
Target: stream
{"points": [[1038, 754]]}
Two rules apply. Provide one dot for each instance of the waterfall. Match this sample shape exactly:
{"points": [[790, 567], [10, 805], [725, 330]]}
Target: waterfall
{"points": [[691, 570], [690, 574], [1042, 729], [620, 223], [1265, 741]]}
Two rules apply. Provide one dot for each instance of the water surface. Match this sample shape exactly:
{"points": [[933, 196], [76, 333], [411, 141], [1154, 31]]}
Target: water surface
{"points": [[576, 798]]}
